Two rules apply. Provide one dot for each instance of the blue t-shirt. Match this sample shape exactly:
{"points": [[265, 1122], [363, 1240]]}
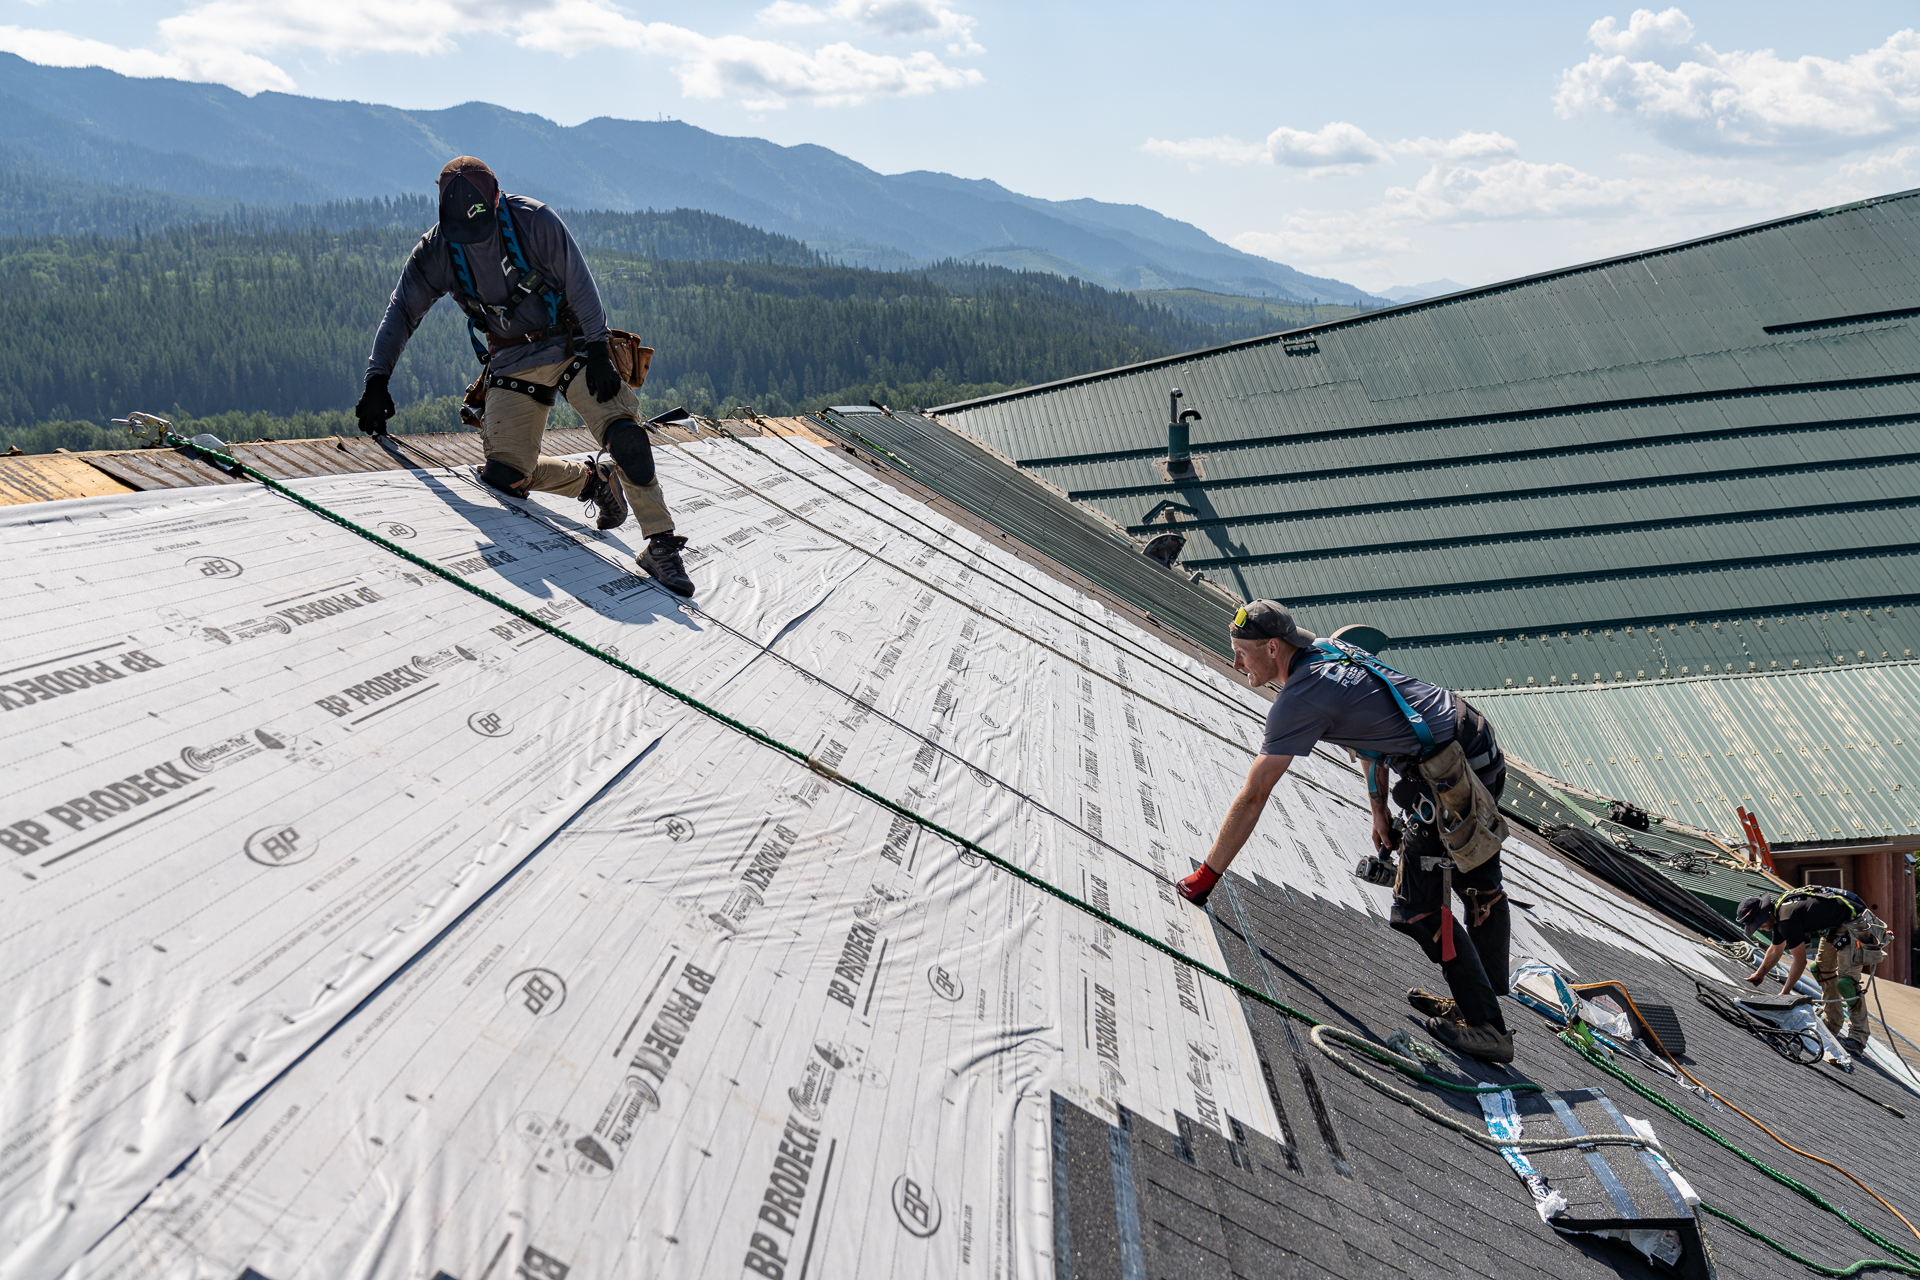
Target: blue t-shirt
{"points": [[1349, 706]]}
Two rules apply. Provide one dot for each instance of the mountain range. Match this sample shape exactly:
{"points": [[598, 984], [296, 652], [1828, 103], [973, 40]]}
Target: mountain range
{"points": [[88, 131]]}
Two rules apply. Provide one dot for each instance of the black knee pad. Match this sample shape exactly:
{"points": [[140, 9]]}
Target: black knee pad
{"points": [[504, 478], [632, 451]]}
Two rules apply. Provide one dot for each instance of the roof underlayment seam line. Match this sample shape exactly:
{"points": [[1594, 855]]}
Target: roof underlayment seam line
{"points": [[1001, 622], [1507, 416], [757, 735], [1058, 608], [765, 739]]}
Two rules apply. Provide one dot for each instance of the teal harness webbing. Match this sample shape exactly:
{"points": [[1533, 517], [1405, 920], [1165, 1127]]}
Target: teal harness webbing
{"points": [[531, 282]]}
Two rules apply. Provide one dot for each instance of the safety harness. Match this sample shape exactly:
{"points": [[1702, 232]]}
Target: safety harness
{"points": [[531, 281], [1481, 904]]}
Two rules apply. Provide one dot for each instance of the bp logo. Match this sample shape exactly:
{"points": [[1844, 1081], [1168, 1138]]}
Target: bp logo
{"points": [[945, 983], [917, 1207], [215, 566], [280, 846], [489, 724], [537, 991]]}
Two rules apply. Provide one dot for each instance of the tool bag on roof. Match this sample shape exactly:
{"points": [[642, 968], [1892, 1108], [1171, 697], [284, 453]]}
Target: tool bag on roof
{"points": [[1469, 823]]}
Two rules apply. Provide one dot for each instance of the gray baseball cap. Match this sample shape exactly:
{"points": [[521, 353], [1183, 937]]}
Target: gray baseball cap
{"points": [[1269, 620]]}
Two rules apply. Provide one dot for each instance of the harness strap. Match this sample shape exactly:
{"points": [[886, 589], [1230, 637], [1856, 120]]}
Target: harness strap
{"points": [[540, 392], [531, 281], [1381, 669]]}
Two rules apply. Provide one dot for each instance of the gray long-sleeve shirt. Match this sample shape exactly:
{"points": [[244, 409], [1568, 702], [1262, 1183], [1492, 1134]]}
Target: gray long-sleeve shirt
{"points": [[549, 249]]}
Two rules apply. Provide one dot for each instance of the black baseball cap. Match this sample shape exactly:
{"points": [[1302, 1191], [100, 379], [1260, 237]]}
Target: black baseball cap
{"points": [[1269, 620], [1753, 913], [468, 193]]}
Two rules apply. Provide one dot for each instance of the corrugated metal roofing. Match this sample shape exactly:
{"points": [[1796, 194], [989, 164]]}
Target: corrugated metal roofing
{"points": [[1818, 756], [1721, 431]]}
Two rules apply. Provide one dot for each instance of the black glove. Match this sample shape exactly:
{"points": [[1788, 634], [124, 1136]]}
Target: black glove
{"points": [[375, 407], [603, 380]]}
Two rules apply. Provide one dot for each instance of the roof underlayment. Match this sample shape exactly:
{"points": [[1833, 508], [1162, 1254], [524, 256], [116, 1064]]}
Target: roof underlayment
{"points": [[363, 928], [1700, 460]]}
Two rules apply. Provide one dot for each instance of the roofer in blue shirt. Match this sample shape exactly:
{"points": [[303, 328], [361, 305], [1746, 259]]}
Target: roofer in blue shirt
{"points": [[514, 269], [1451, 773]]}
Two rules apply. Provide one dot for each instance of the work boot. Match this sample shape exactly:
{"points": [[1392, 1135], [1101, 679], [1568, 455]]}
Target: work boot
{"points": [[604, 494], [1435, 1006], [662, 560], [1476, 1040]]}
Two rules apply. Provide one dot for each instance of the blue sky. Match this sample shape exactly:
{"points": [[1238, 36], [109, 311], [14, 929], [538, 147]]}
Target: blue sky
{"points": [[1391, 144]]}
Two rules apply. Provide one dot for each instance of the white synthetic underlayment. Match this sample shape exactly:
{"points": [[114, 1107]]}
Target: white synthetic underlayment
{"points": [[686, 948]]}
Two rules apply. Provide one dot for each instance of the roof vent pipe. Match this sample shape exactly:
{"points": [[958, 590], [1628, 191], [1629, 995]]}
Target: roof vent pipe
{"points": [[1179, 460]]}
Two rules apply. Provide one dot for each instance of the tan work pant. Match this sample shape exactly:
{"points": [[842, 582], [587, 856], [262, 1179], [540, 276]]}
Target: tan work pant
{"points": [[1830, 964], [512, 425]]}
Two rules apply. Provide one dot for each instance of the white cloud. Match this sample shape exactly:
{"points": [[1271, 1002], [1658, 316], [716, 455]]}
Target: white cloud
{"points": [[1519, 189], [1324, 238], [762, 74], [1462, 146], [1335, 149], [336, 27], [1741, 103], [934, 18], [221, 65], [226, 40], [1646, 31]]}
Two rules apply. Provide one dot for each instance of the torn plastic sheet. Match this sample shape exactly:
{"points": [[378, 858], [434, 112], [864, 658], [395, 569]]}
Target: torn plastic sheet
{"points": [[1804, 1020], [1503, 1121]]}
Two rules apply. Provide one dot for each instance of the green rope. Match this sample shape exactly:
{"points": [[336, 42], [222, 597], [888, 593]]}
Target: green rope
{"points": [[1667, 1104], [1865, 1264], [235, 467]]}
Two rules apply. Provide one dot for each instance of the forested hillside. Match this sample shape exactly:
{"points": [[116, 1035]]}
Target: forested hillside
{"points": [[225, 319]]}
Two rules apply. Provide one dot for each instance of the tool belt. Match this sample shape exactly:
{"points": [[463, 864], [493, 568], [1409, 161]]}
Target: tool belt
{"points": [[1469, 824], [631, 359]]}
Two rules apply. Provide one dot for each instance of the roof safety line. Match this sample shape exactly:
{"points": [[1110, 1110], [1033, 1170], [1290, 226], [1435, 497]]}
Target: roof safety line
{"points": [[232, 466]]}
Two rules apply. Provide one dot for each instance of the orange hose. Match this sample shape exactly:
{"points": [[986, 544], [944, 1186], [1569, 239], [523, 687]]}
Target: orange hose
{"points": [[1652, 1035]]}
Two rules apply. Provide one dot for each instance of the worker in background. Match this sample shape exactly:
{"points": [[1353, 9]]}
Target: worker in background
{"points": [[1852, 942], [1337, 692], [514, 269]]}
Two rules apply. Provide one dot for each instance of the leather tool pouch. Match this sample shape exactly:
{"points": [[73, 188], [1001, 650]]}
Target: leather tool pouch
{"points": [[631, 360], [1469, 824]]}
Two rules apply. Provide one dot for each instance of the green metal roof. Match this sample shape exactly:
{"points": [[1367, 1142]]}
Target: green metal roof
{"points": [[1703, 457], [1819, 756]]}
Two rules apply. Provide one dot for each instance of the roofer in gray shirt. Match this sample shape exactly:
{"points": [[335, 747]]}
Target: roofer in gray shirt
{"points": [[514, 269], [1451, 773]]}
